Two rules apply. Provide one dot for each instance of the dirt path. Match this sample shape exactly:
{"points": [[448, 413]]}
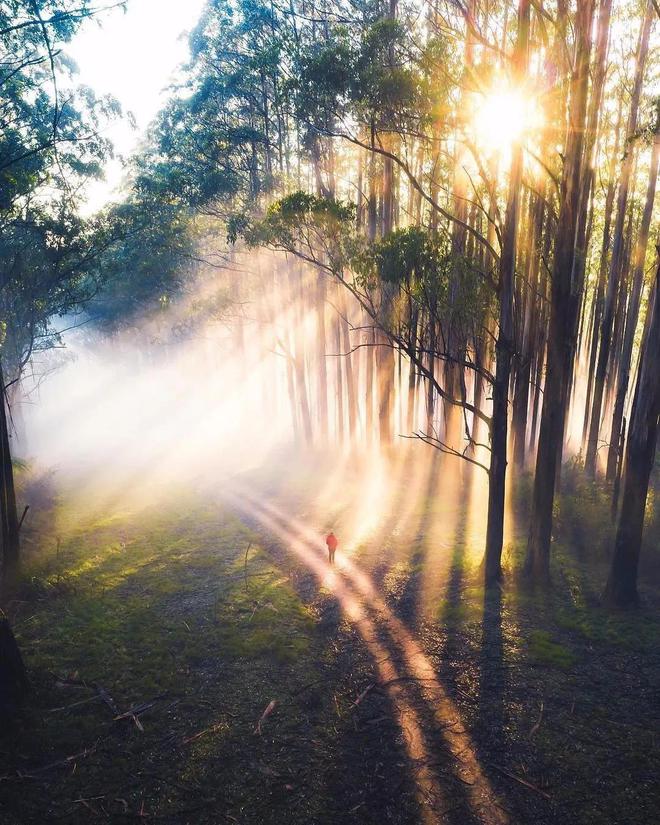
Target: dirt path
{"points": [[450, 783]]}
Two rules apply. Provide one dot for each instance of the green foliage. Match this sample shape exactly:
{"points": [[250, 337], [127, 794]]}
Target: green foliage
{"points": [[386, 87], [125, 596], [303, 221], [44, 139], [263, 616], [145, 262], [50, 146], [414, 256], [322, 82], [301, 206]]}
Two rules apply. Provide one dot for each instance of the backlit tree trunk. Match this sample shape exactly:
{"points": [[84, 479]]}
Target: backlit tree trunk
{"points": [[505, 338], [561, 333], [617, 253], [621, 588], [625, 358], [9, 527]]}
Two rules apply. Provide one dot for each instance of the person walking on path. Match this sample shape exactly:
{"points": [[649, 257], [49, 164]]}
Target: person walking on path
{"points": [[331, 541]]}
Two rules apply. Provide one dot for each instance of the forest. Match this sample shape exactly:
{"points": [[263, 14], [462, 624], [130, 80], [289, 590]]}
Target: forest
{"points": [[329, 488]]}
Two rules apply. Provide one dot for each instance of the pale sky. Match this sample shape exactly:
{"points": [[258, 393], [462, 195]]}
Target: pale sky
{"points": [[134, 56]]}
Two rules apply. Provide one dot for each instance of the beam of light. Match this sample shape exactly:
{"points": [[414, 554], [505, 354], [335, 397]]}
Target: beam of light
{"points": [[143, 410], [430, 796], [306, 544]]}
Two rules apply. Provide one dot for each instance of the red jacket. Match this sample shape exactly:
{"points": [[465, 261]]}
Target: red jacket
{"points": [[331, 541]]}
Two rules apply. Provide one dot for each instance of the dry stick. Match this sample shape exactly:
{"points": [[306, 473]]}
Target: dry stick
{"points": [[75, 704], [270, 707], [66, 761], [134, 715], [538, 723], [201, 733], [364, 693], [20, 523], [245, 565], [522, 781]]}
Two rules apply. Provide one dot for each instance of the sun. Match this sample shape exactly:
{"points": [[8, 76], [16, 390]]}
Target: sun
{"points": [[503, 117]]}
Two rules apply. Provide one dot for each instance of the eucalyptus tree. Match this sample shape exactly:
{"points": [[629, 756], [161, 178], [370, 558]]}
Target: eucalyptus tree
{"points": [[615, 270], [565, 295], [621, 588], [49, 146]]}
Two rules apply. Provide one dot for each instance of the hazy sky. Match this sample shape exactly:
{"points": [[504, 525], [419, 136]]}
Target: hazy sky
{"points": [[133, 56]]}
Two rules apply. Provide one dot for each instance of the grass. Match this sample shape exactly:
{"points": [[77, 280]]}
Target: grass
{"points": [[152, 606], [547, 651]]}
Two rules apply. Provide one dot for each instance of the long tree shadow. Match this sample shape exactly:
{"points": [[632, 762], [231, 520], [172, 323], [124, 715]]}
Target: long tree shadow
{"points": [[450, 785], [410, 600], [491, 721], [453, 611]]}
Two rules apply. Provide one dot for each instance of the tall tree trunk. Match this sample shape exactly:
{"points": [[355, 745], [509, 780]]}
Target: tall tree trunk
{"points": [[412, 374], [529, 335], [621, 588], [505, 339], [351, 393], [339, 389], [600, 287], [615, 272], [625, 358], [322, 367], [385, 375], [297, 292], [9, 528], [561, 332], [369, 354]]}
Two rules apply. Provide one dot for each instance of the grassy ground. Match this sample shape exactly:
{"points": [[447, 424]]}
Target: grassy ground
{"points": [[188, 619]]}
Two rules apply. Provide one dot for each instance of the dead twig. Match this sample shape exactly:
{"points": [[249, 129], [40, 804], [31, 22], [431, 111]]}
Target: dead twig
{"points": [[537, 725], [522, 781], [74, 704], [20, 523], [59, 762], [364, 694], [201, 733], [270, 707], [247, 550], [136, 711]]}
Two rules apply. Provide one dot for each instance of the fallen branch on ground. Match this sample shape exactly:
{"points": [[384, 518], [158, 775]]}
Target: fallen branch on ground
{"points": [[201, 733], [364, 694], [537, 724], [66, 761], [522, 781], [270, 707]]}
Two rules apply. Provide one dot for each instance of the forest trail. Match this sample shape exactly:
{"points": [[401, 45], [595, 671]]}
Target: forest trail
{"points": [[432, 729]]}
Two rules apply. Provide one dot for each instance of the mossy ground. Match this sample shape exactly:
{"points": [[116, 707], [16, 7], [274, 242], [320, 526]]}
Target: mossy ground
{"points": [[199, 619]]}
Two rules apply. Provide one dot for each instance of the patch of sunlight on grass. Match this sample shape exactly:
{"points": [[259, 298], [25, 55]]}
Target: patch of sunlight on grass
{"points": [[266, 618], [545, 650], [398, 574], [462, 613], [103, 609]]}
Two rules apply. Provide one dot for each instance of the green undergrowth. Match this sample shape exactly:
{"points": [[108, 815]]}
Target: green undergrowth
{"points": [[544, 649], [151, 605], [144, 594], [260, 614]]}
